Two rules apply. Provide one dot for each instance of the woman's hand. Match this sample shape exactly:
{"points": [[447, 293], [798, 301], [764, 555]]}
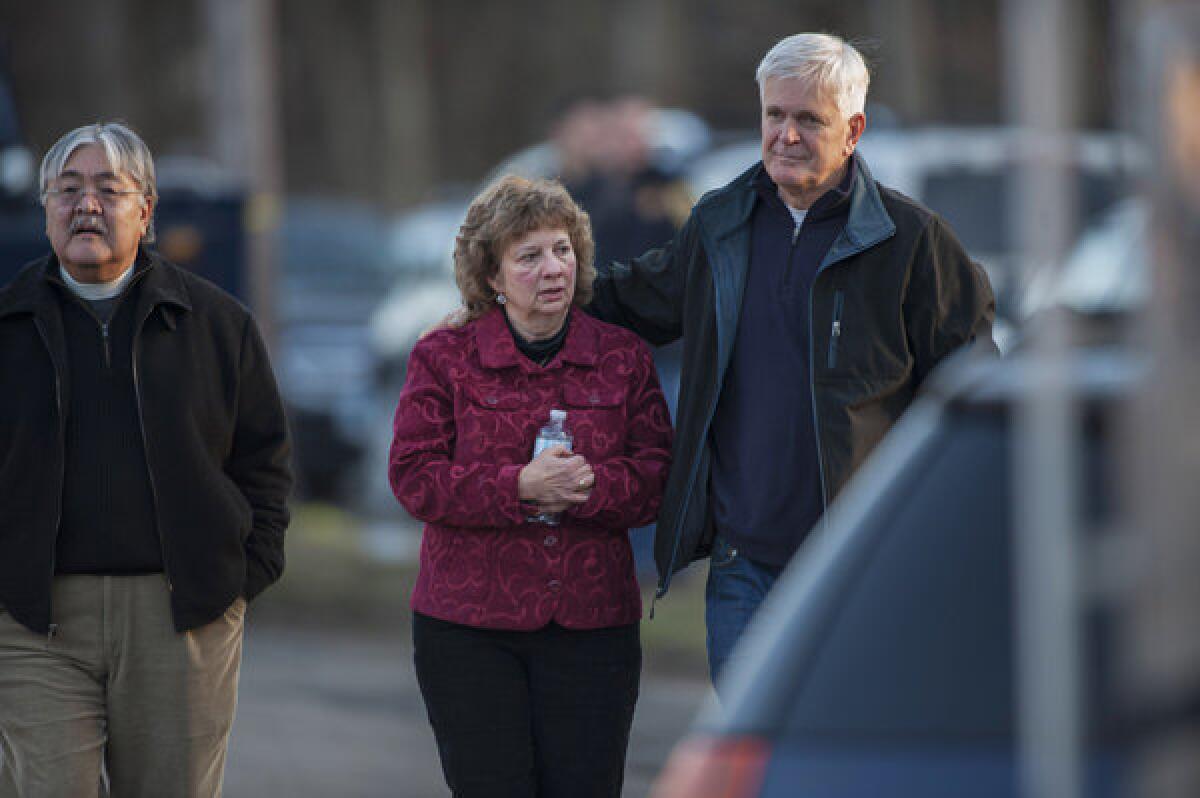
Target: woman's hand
{"points": [[556, 479]]}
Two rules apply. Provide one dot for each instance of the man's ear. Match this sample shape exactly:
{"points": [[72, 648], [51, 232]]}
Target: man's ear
{"points": [[147, 214], [855, 127]]}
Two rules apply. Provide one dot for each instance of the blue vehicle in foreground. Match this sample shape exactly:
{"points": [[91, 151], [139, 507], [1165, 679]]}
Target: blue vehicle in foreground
{"points": [[884, 662]]}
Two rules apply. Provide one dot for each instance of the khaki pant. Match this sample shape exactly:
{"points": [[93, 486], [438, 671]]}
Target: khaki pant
{"points": [[117, 702]]}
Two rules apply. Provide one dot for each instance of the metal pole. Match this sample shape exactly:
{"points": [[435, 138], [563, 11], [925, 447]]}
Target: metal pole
{"points": [[1163, 649], [245, 131], [1040, 57]]}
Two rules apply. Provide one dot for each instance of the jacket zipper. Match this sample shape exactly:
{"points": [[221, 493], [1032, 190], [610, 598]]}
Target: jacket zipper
{"points": [[835, 330], [812, 393], [52, 628], [137, 393]]}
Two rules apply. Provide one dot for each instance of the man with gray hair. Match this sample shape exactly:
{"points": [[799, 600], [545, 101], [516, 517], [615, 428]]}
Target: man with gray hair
{"points": [[812, 303], [144, 465]]}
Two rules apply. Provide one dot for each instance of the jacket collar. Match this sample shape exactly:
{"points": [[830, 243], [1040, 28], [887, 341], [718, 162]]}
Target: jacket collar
{"points": [[31, 289], [498, 350], [868, 222]]}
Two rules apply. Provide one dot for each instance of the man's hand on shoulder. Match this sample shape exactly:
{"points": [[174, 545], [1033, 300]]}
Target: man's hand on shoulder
{"points": [[451, 321]]}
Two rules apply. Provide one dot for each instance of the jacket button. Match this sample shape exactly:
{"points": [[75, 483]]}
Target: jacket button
{"points": [[550, 540], [594, 400], [554, 584], [491, 400]]}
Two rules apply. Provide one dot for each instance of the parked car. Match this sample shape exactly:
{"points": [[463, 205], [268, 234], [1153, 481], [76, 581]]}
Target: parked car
{"points": [[883, 661], [1107, 271], [333, 272]]}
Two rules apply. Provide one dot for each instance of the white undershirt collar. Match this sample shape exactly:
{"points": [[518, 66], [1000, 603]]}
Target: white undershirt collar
{"points": [[798, 215], [95, 291]]}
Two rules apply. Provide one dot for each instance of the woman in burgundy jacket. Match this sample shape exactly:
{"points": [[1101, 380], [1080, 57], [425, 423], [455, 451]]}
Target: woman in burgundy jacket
{"points": [[526, 632]]}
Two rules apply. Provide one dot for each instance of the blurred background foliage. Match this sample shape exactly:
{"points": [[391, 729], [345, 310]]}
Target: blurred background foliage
{"points": [[385, 101]]}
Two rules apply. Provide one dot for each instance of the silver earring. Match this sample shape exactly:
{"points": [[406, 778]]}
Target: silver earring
{"points": [[501, 299]]}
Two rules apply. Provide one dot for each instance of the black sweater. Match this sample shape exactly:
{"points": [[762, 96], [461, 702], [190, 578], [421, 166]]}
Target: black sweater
{"points": [[107, 522]]}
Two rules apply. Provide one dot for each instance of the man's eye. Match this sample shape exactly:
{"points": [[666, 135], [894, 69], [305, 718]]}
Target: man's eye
{"points": [[109, 191], [68, 191]]}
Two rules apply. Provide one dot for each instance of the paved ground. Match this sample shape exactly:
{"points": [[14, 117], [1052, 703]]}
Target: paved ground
{"points": [[338, 715]]}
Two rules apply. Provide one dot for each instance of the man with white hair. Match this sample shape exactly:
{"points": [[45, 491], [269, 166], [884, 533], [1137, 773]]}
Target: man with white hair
{"points": [[144, 470], [812, 303]]}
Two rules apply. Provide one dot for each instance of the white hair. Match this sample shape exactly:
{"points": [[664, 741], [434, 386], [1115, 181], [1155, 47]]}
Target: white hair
{"points": [[831, 62], [124, 149]]}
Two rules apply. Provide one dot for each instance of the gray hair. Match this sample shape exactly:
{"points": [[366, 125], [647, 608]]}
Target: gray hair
{"points": [[126, 153], [831, 62]]}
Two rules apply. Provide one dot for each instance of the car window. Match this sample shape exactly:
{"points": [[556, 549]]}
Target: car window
{"points": [[923, 643], [976, 203]]}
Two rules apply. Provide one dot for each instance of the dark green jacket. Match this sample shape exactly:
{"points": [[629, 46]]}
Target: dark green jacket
{"points": [[212, 424], [893, 296]]}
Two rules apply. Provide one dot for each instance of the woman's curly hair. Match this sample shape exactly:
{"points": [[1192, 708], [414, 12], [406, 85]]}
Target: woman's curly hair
{"points": [[503, 212]]}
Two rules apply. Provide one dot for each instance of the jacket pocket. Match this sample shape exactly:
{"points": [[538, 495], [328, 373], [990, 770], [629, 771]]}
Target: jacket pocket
{"points": [[595, 419], [723, 554], [581, 397], [494, 397]]}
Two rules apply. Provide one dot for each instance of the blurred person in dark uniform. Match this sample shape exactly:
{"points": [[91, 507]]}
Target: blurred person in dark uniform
{"points": [[144, 465], [606, 165], [812, 303], [634, 202]]}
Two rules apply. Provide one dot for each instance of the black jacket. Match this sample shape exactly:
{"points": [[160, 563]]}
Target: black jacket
{"points": [[895, 294], [212, 423]]}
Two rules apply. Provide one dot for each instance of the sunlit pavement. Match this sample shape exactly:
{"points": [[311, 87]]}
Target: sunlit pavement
{"points": [[336, 714]]}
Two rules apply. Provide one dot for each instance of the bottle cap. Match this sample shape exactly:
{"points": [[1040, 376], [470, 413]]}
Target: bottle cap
{"points": [[558, 415]]}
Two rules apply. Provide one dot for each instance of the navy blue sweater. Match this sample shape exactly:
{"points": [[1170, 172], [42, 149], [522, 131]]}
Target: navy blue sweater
{"points": [[766, 488]]}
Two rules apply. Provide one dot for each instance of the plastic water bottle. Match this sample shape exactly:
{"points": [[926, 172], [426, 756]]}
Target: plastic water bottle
{"points": [[553, 434]]}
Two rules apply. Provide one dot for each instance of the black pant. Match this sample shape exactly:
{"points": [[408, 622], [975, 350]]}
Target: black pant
{"points": [[543, 713]]}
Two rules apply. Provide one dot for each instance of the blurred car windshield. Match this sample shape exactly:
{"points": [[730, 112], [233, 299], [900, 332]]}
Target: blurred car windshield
{"points": [[334, 247]]}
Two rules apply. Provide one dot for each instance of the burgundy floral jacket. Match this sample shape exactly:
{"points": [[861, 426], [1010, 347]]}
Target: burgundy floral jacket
{"points": [[465, 425]]}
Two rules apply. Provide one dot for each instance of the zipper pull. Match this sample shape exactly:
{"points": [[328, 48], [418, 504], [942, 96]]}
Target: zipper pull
{"points": [[107, 349], [659, 592], [51, 631], [835, 330], [795, 234]]}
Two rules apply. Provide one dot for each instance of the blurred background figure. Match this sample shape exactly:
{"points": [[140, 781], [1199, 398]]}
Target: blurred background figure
{"points": [[607, 163]]}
